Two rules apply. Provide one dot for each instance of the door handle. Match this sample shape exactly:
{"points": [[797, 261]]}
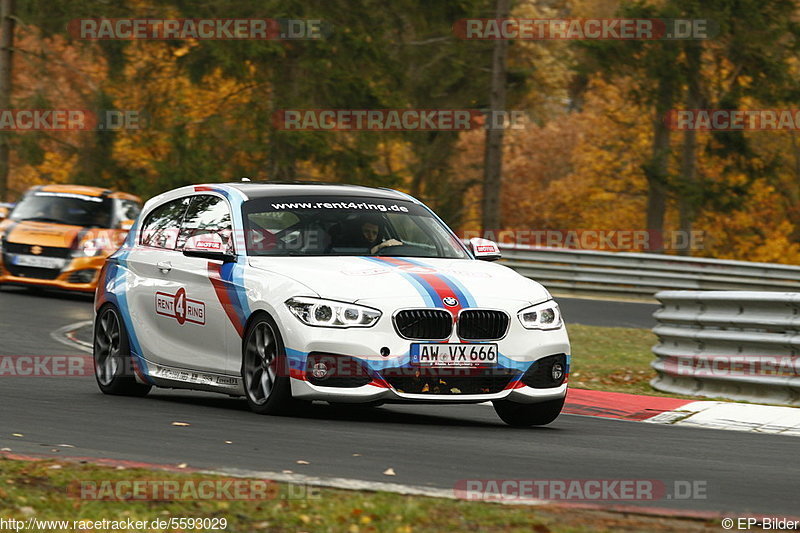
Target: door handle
{"points": [[164, 266]]}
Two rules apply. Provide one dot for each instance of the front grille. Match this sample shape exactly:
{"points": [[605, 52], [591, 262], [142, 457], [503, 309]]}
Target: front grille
{"points": [[448, 381], [30, 272], [46, 251], [540, 374], [343, 371], [424, 324], [481, 324]]}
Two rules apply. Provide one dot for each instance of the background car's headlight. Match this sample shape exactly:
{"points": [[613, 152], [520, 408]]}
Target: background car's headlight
{"points": [[541, 316], [88, 248], [327, 313], [92, 244]]}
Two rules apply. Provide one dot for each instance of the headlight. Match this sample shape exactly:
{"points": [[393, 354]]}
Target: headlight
{"points": [[541, 316], [89, 248], [93, 243], [331, 314]]}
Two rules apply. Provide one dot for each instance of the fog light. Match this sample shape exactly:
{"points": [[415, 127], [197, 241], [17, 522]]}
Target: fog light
{"points": [[82, 276], [557, 372], [320, 370]]}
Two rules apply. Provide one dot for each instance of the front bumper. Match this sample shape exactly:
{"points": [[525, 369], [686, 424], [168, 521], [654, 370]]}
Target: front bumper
{"points": [[383, 353], [79, 274]]}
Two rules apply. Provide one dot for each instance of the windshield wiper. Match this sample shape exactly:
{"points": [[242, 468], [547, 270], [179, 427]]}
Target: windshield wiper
{"points": [[42, 219]]}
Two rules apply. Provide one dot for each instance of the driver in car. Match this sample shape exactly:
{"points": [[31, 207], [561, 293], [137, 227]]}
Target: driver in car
{"points": [[371, 231]]}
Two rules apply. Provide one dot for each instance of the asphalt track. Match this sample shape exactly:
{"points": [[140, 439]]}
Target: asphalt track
{"points": [[428, 446]]}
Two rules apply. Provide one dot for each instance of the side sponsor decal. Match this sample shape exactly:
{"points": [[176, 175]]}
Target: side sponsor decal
{"points": [[233, 300], [208, 245], [181, 308], [191, 376]]}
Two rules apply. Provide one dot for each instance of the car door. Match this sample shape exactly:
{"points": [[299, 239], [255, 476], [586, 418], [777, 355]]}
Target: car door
{"points": [[190, 313], [148, 264]]}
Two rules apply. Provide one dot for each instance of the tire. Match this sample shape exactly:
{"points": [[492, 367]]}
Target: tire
{"points": [[113, 365], [528, 414], [265, 369]]}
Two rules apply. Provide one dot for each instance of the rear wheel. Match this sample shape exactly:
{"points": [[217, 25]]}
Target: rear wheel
{"points": [[528, 414], [113, 366], [265, 369]]}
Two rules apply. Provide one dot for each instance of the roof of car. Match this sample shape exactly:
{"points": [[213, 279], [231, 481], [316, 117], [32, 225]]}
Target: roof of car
{"points": [[86, 190], [254, 189]]}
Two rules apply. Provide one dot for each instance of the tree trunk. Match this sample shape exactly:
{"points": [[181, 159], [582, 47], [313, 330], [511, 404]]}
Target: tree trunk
{"points": [[657, 169], [688, 201], [6, 56], [493, 161]]}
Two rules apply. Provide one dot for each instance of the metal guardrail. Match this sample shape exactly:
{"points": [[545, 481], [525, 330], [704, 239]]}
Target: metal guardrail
{"points": [[642, 274], [739, 345]]}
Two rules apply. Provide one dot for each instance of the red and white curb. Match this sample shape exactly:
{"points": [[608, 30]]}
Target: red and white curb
{"points": [[705, 414]]}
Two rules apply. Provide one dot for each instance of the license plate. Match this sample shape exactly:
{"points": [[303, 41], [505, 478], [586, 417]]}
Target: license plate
{"points": [[453, 354], [39, 262]]}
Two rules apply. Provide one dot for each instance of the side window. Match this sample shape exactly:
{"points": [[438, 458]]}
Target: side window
{"points": [[208, 220], [162, 225]]}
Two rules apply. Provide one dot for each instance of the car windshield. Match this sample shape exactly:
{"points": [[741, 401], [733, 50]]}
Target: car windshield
{"points": [[338, 226], [64, 208]]}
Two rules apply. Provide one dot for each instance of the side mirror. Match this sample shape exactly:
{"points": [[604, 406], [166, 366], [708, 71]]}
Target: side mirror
{"points": [[208, 246], [484, 249]]}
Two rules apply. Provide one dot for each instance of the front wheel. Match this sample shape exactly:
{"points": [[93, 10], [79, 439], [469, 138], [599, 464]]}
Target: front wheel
{"points": [[265, 370], [528, 414], [113, 367]]}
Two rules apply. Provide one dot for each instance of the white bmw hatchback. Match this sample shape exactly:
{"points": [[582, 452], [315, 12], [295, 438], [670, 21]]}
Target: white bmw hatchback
{"points": [[290, 293]]}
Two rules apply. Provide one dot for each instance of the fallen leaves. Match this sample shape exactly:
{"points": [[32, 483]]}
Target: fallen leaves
{"points": [[389, 472], [301, 462], [181, 424]]}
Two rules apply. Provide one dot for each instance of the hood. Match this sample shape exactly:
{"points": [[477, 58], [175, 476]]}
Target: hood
{"points": [[424, 280], [41, 233]]}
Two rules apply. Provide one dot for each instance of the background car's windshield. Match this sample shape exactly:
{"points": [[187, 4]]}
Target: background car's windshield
{"points": [[346, 226], [64, 208]]}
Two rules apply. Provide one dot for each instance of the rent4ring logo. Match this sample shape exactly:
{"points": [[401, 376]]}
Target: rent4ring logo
{"points": [[181, 308]]}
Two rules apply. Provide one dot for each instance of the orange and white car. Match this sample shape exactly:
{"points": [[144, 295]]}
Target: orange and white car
{"points": [[58, 236]]}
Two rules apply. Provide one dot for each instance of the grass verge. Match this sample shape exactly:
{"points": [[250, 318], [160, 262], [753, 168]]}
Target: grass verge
{"points": [[39, 489], [612, 359]]}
